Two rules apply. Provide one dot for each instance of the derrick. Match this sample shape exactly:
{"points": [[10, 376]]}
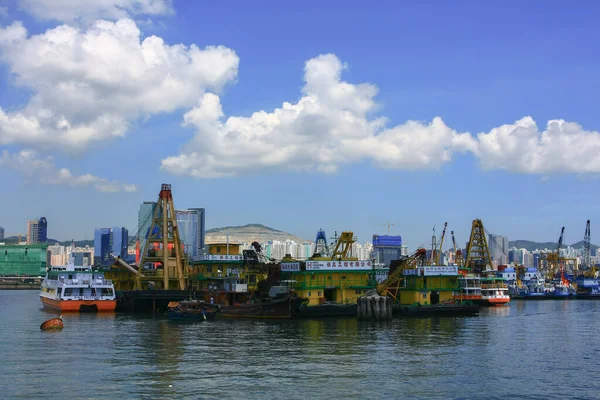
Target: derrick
{"points": [[162, 248], [478, 253]]}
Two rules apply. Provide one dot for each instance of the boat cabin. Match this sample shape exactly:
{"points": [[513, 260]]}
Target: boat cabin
{"points": [[430, 285]]}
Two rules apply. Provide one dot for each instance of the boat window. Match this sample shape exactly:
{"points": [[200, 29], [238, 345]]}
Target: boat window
{"points": [[218, 249], [68, 292], [320, 294], [59, 291], [209, 269], [309, 294], [70, 276]]}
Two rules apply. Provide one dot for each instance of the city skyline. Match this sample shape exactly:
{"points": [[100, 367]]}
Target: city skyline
{"points": [[449, 116]]}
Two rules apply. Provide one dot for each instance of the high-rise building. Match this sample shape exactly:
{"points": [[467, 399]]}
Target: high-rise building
{"points": [[37, 231], [102, 246], [120, 239], [1, 233], [42, 230], [201, 228], [387, 248], [109, 242], [145, 215], [498, 246], [191, 227]]}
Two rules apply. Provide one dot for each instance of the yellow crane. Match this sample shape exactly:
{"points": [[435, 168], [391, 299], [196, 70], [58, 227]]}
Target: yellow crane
{"points": [[391, 285], [478, 252]]}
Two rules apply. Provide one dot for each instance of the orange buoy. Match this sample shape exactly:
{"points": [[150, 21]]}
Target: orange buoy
{"points": [[54, 323]]}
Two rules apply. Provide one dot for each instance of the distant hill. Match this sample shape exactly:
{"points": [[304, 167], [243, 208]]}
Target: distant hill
{"points": [[248, 233], [530, 246]]}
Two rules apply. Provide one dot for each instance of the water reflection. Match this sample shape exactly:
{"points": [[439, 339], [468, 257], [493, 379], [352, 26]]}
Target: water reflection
{"points": [[506, 352]]}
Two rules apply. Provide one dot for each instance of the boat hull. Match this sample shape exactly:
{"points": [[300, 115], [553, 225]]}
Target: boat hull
{"points": [[182, 316], [440, 310], [281, 308], [52, 324], [79, 305], [326, 311], [492, 302], [148, 301]]}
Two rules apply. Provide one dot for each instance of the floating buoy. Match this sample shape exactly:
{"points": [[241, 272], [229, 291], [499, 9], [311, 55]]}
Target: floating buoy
{"points": [[54, 323]]}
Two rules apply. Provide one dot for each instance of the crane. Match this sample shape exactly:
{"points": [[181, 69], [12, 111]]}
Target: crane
{"points": [[478, 253], [389, 225], [432, 256], [390, 286], [587, 256], [439, 256], [552, 259], [457, 251]]}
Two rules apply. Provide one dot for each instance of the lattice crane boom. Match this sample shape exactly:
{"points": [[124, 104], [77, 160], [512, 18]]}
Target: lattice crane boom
{"points": [[457, 251], [478, 252], [587, 256], [395, 276], [439, 256]]}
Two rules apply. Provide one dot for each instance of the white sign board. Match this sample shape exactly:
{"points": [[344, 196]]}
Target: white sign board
{"points": [[338, 265], [290, 267], [441, 270], [223, 257]]}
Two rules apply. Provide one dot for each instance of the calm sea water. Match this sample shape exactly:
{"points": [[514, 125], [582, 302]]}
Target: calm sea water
{"points": [[532, 350]]}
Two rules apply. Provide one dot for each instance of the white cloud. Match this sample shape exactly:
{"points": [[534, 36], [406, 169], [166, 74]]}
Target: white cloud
{"points": [[89, 85], [563, 147], [87, 10], [329, 126], [31, 165]]}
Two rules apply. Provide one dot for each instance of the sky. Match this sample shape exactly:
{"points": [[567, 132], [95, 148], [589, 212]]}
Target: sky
{"points": [[340, 115]]}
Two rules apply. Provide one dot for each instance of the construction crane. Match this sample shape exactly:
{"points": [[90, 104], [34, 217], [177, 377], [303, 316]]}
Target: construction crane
{"points": [[458, 252], [390, 286], [389, 225], [587, 256]]}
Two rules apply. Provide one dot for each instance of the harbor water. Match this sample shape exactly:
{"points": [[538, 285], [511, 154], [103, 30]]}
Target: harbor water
{"points": [[529, 350]]}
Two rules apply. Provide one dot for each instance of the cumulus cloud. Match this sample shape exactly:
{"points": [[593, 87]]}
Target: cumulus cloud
{"points": [[87, 10], [522, 147], [333, 124], [88, 85], [31, 165], [329, 126]]}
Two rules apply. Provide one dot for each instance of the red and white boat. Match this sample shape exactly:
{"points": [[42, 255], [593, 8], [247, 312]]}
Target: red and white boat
{"points": [[78, 289], [494, 292]]}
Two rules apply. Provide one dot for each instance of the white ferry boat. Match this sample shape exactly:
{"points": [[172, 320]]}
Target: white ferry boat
{"points": [[75, 288], [494, 292]]}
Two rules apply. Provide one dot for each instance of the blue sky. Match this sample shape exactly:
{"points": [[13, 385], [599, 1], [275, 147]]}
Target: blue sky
{"points": [[329, 161]]}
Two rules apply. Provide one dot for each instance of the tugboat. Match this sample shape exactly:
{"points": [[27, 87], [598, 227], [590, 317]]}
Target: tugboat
{"points": [[78, 289], [191, 310]]}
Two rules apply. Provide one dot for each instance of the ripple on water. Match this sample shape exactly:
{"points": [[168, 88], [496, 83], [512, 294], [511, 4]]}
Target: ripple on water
{"points": [[529, 350]]}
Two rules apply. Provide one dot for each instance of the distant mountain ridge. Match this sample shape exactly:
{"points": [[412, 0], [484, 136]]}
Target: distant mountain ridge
{"points": [[530, 246], [248, 233]]}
